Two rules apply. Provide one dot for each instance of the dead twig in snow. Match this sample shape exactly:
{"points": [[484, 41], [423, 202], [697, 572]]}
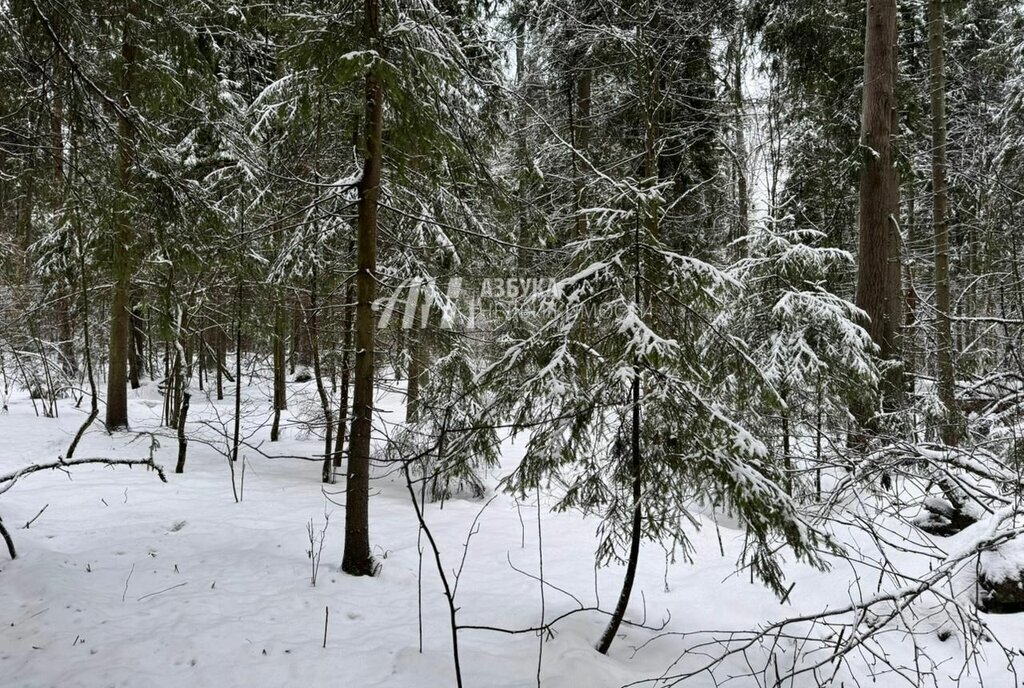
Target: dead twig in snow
{"points": [[33, 519], [160, 592]]}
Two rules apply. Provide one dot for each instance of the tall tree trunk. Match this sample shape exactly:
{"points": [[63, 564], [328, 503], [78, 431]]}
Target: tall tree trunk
{"points": [[636, 460], [878, 270], [940, 229], [117, 382], [357, 560], [65, 329]]}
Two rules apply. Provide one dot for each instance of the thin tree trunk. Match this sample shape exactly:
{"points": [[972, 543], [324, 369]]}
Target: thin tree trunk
{"points": [[637, 526], [94, 409], [138, 343], [221, 357], [742, 224], [949, 430], [579, 118], [313, 333], [150, 349], [636, 465], [7, 539], [188, 356], [651, 152], [302, 350], [907, 349], [172, 393], [357, 559], [280, 392], [65, 292], [238, 375], [346, 373], [182, 438], [66, 333], [203, 358], [520, 32]]}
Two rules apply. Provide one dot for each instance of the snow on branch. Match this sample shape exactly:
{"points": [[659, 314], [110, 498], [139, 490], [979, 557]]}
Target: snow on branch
{"points": [[62, 465]]}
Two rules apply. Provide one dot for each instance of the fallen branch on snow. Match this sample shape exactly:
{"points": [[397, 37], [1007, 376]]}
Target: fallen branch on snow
{"points": [[62, 464]]}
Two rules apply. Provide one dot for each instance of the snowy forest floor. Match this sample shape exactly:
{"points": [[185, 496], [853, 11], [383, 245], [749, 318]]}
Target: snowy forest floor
{"points": [[127, 581]]}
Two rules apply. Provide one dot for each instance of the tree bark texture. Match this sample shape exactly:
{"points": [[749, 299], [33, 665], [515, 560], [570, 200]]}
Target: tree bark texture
{"points": [[878, 270], [357, 560]]}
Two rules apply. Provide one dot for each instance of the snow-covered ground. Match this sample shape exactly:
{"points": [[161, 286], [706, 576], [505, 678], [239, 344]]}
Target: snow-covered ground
{"points": [[127, 581]]}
